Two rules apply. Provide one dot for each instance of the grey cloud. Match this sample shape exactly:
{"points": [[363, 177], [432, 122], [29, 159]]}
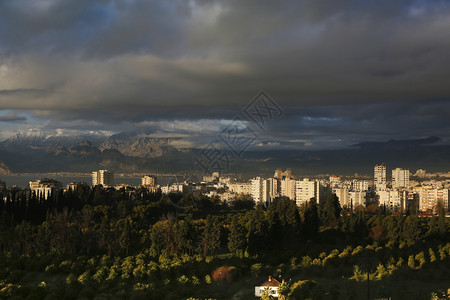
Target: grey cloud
{"points": [[12, 117], [21, 92], [91, 28], [165, 54], [311, 127], [346, 69]]}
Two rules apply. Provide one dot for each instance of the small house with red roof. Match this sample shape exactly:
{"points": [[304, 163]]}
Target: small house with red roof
{"points": [[271, 285]]}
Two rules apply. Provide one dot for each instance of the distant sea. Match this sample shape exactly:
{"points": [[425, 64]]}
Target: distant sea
{"points": [[23, 180]]}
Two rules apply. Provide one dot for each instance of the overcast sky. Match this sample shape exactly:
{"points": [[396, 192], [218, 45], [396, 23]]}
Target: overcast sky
{"points": [[343, 71]]}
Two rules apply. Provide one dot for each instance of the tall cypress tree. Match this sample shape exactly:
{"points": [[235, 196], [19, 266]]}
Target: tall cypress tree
{"points": [[125, 237], [236, 238], [311, 223], [442, 227], [331, 211]]}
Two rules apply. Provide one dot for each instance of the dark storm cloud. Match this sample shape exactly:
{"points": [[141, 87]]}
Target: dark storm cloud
{"points": [[345, 68], [15, 92], [12, 117], [91, 28]]}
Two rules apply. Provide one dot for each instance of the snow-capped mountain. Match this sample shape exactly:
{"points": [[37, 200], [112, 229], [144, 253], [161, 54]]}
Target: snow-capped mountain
{"points": [[40, 151]]}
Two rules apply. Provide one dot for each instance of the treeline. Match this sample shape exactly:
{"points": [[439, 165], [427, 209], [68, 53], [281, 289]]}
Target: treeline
{"points": [[97, 221]]}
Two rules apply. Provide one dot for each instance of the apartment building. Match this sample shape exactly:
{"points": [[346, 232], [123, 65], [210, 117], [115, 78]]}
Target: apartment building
{"points": [[103, 177], [400, 178], [45, 187]]}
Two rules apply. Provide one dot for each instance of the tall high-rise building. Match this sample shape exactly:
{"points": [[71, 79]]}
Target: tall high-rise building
{"points": [[400, 178], [357, 198], [430, 196], [103, 177], [149, 180], [392, 200], [260, 190], [343, 195], [287, 188], [379, 174], [274, 187], [305, 190]]}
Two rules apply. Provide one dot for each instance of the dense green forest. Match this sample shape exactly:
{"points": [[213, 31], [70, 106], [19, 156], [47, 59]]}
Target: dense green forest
{"points": [[96, 243]]}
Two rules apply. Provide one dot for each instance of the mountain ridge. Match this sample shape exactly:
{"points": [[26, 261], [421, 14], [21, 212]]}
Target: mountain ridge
{"points": [[139, 152]]}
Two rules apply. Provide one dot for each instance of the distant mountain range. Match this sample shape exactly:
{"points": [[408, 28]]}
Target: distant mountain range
{"points": [[429, 153], [139, 152], [125, 152]]}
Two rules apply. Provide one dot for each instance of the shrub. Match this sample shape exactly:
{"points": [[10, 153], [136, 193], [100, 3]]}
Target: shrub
{"points": [[381, 271], [140, 259], [224, 273], [330, 257], [152, 266], [432, 255], [358, 275], [293, 263], [91, 262], [84, 278], [104, 261], [71, 279], [139, 272], [400, 262], [357, 250], [284, 288], [208, 279], [411, 262], [442, 253], [390, 268], [195, 280], [113, 273], [152, 271], [7, 290], [127, 268], [183, 279], [302, 289], [306, 261], [345, 252], [421, 259], [51, 269]]}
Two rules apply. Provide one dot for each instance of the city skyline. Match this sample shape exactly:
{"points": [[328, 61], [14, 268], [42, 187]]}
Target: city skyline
{"points": [[343, 72], [424, 194], [224, 149]]}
